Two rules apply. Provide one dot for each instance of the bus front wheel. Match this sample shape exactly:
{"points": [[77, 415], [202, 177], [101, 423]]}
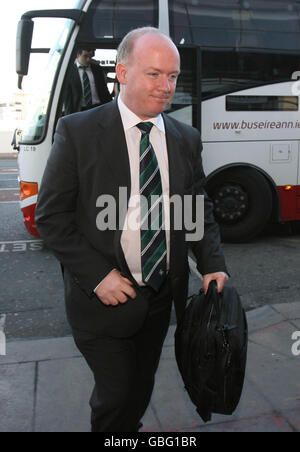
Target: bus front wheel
{"points": [[243, 203]]}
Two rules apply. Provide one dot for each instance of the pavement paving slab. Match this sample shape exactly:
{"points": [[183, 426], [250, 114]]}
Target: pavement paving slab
{"points": [[35, 350], [62, 396], [263, 317], [293, 418], [17, 386]]}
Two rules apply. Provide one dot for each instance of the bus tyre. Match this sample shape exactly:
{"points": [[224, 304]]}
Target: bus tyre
{"points": [[243, 203]]}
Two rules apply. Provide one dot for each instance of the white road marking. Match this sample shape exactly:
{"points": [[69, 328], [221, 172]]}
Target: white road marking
{"points": [[21, 246]]}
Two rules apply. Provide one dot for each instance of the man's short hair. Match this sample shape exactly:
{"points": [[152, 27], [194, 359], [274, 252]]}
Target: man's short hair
{"points": [[127, 44], [80, 51]]}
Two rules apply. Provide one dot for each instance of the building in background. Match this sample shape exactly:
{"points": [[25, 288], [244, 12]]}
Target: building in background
{"points": [[13, 111]]}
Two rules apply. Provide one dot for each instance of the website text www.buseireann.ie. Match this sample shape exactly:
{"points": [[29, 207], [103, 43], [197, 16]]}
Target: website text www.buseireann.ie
{"points": [[256, 125]]}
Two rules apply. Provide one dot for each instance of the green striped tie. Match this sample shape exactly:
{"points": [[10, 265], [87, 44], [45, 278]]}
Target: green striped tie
{"points": [[153, 237], [87, 93]]}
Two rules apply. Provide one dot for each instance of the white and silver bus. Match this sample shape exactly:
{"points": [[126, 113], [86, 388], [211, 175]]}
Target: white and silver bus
{"points": [[238, 60]]}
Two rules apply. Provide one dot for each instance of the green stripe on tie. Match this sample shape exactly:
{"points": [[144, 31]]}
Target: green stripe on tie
{"points": [[153, 238]]}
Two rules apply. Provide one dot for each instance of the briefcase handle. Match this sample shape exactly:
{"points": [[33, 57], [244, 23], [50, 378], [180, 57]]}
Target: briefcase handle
{"points": [[215, 296]]}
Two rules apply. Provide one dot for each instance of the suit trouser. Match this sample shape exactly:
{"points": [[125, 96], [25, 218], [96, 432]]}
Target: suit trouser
{"points": [[124, 369]]}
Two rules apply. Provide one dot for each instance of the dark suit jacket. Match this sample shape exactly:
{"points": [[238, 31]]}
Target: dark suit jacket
{"points": [[74, 91], [90, 158]]}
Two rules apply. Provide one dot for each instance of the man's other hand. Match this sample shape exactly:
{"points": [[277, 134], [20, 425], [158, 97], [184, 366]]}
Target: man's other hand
{"points": [[115, 289]]}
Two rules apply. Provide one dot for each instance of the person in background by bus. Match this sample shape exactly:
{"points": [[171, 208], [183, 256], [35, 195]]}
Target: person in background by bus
{"points": [[87, 87], [120, 281]]}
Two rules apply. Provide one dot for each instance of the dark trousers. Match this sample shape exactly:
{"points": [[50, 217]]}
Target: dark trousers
{"points": [[124, 369]]}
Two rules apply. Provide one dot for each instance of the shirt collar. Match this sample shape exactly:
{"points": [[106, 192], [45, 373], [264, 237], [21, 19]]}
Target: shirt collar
{"points": [[130, 119], [80, 65]]}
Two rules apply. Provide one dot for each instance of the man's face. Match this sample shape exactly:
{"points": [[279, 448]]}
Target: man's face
{"points": [[85, 57], [149, 78]]}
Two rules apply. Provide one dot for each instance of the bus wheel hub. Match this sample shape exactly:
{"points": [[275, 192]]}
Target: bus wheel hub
{"points": [[231, 203]]}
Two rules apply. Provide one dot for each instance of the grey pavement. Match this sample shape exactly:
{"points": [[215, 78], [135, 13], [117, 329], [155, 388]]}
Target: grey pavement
{"points": [[45, 384]]}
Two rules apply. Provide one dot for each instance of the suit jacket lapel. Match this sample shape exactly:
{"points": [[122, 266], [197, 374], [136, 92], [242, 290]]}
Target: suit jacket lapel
{"points": [[113, 144], [175, 156], [177, 165], [96, 78], [77, 91]]}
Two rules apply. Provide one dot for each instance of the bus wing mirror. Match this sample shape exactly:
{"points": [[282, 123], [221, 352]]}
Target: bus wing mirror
{"points": [[23, 46], [16, 139], [25, 32]]}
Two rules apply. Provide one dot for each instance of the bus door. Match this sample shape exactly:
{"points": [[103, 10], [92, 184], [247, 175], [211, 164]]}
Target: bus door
{"points": [[71, 90], [42, 46], [105, 24]]}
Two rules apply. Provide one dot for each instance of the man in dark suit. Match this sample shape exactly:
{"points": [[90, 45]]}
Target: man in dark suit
{"points": [[120, 279], [87, 86]]}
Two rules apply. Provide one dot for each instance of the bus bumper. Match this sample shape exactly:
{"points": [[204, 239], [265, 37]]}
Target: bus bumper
{"points": [[29, 220], [290, 202]]}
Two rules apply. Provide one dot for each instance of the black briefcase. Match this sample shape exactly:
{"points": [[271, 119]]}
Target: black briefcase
{"points": [[211, 350]]}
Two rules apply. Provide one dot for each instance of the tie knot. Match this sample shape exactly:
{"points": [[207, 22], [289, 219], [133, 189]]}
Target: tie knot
{"points": [[145, 127]]}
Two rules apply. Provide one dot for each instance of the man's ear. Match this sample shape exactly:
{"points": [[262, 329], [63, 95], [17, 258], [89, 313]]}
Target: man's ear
{"points": [[121, 71]]}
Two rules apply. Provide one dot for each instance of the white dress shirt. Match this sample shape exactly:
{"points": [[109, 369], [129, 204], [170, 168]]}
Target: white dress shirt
{"points": [[131, 238], [95, 97]]}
